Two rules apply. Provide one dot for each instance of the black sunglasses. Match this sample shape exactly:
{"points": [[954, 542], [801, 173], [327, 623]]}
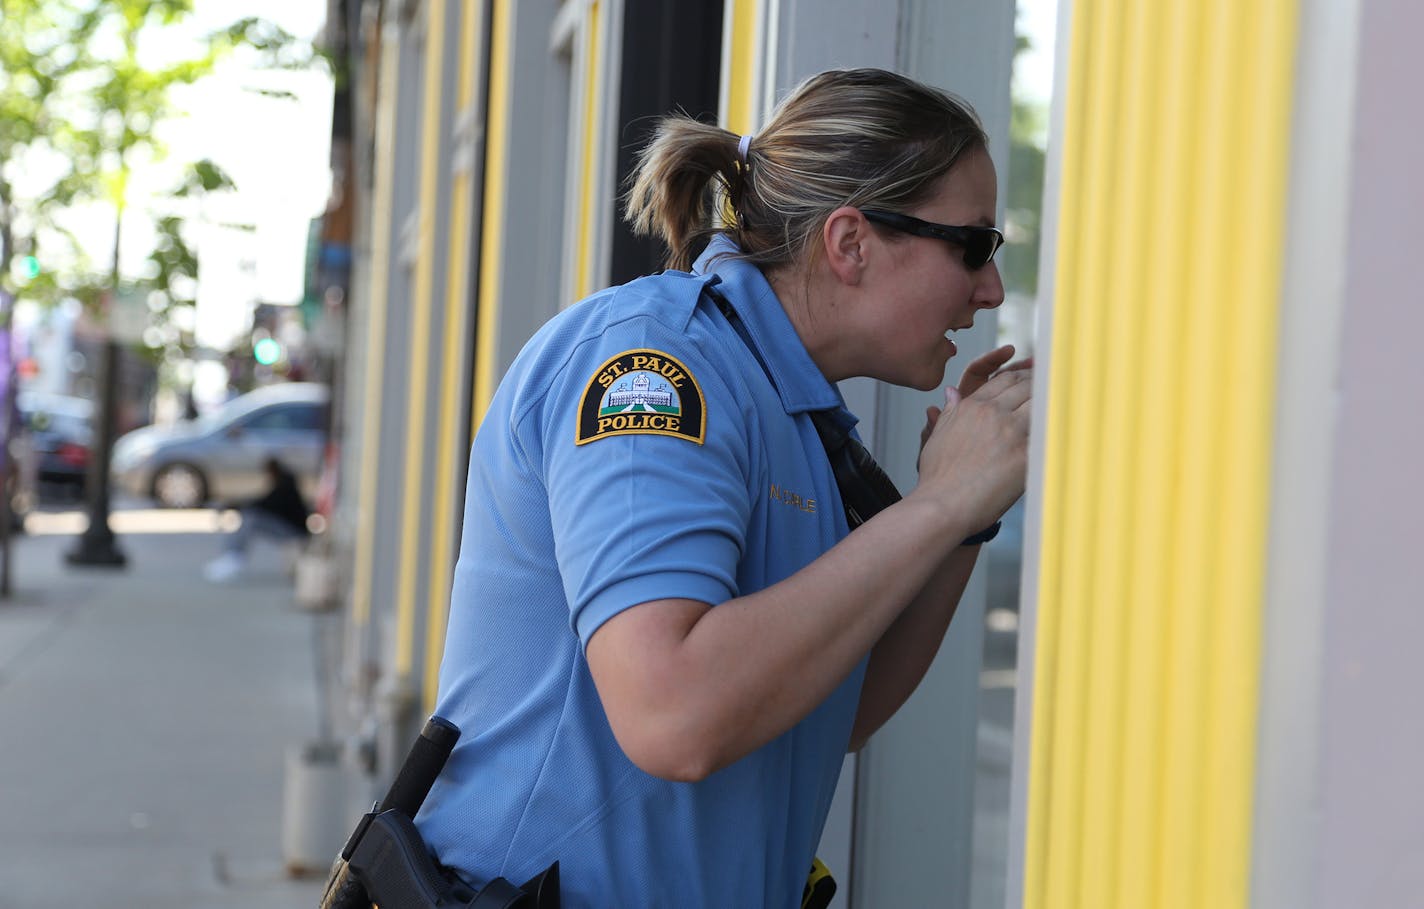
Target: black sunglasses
{"points": [[979, 243]]}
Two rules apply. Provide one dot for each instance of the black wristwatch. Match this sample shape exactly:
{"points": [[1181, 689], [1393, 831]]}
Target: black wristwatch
{"points": [[983, 536]]}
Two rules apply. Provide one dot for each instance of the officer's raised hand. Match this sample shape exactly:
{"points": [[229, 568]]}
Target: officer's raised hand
{"points": [[975, 453]]}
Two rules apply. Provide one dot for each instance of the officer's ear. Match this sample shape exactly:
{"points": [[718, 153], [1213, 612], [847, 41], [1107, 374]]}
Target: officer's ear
{"points": [[843, 241]]}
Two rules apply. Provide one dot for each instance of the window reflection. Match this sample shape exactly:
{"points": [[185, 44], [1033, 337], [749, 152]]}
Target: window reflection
{"points": [[1001, 561]]}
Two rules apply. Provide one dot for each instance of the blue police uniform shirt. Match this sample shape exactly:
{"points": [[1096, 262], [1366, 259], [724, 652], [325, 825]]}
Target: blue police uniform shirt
{"points": [[636, 450]]}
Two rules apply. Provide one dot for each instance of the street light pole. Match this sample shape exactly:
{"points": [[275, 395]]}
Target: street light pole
{"points": [[98, 546]]}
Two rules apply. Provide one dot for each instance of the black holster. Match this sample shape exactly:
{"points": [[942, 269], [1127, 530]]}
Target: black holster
{"points": [[386, 861], [391, 867]]}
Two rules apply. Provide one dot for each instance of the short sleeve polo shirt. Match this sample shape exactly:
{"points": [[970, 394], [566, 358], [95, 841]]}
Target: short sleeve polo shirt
{"points": [[638, 449]]}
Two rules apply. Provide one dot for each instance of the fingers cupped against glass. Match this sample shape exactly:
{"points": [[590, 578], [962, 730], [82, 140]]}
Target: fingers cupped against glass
{"points": [[1006, 379]]}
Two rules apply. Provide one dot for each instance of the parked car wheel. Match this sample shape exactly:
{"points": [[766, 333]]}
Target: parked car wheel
{"points": [[180, 486]]}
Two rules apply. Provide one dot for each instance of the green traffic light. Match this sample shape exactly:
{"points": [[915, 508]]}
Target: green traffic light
{"points": [[266, 351], [30, 267]]}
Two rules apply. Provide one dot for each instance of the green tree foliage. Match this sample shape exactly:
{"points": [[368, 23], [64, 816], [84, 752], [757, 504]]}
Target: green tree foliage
{"points": [[170, 281], [80, 108]]}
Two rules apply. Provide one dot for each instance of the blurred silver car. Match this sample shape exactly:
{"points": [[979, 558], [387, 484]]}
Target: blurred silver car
{"points": [[219, 457]]}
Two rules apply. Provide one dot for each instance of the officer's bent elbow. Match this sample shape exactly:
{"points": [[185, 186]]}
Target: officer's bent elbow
{"points": [[677, 758]]}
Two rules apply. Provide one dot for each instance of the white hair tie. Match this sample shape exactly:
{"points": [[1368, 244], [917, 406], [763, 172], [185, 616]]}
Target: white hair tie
{"points": [[742, 148]]}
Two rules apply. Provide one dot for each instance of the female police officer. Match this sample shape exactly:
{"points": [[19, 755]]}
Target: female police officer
{"points": [[662, 637]]}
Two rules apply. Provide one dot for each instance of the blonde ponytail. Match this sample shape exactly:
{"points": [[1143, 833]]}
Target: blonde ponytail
{"points": [[676, 183]]}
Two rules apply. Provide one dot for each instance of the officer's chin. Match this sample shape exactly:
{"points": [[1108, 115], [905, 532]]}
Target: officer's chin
{"points": [[929, 376], [928, 383], [933, 377]]}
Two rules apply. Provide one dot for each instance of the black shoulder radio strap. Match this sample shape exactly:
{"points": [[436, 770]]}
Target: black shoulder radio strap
{"points": [[865, 488]]}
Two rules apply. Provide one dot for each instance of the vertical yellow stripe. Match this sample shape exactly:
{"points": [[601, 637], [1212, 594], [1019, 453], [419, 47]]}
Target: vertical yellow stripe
{"points": [[1079, 519], [381, 214], [1171, 221], [1159, 442], [1251, 371], [492, 224], [742, 85], [1189, 586], [457, 306], [1109, 619], [422, 300], [591, 157]]}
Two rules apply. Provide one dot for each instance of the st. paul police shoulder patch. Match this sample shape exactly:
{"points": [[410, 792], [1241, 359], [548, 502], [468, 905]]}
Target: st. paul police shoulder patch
{"points": [[642, 391]]}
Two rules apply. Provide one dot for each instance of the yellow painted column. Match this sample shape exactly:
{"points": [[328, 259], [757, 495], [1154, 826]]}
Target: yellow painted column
{"points": [[1171, 225], [432, 135], [381, 253], [741, 65], [589, 208], [492, 223], [450, 415]]}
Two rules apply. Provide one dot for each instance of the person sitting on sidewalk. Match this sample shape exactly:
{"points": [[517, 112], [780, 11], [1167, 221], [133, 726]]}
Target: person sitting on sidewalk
{"points": [[280, 515]]}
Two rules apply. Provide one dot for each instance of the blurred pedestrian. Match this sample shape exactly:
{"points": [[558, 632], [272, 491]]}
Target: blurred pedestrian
{"points": [[279, 516]]}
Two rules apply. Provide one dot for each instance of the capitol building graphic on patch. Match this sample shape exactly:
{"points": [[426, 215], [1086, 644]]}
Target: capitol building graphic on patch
{"points": [[639, 396]]}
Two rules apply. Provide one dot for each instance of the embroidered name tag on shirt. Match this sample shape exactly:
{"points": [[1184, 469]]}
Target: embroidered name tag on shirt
{"points": [[642, 391], [787, 497]]}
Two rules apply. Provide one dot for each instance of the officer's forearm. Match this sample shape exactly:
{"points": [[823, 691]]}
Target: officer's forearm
{"points": [[689, 689], [904, 653]]}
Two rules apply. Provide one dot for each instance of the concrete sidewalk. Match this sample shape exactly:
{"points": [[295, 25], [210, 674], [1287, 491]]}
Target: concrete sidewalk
{"points": [[144, 719]]}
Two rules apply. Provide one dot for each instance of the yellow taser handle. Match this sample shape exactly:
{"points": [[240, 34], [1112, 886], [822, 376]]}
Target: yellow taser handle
{"points": [[820, 887]]}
